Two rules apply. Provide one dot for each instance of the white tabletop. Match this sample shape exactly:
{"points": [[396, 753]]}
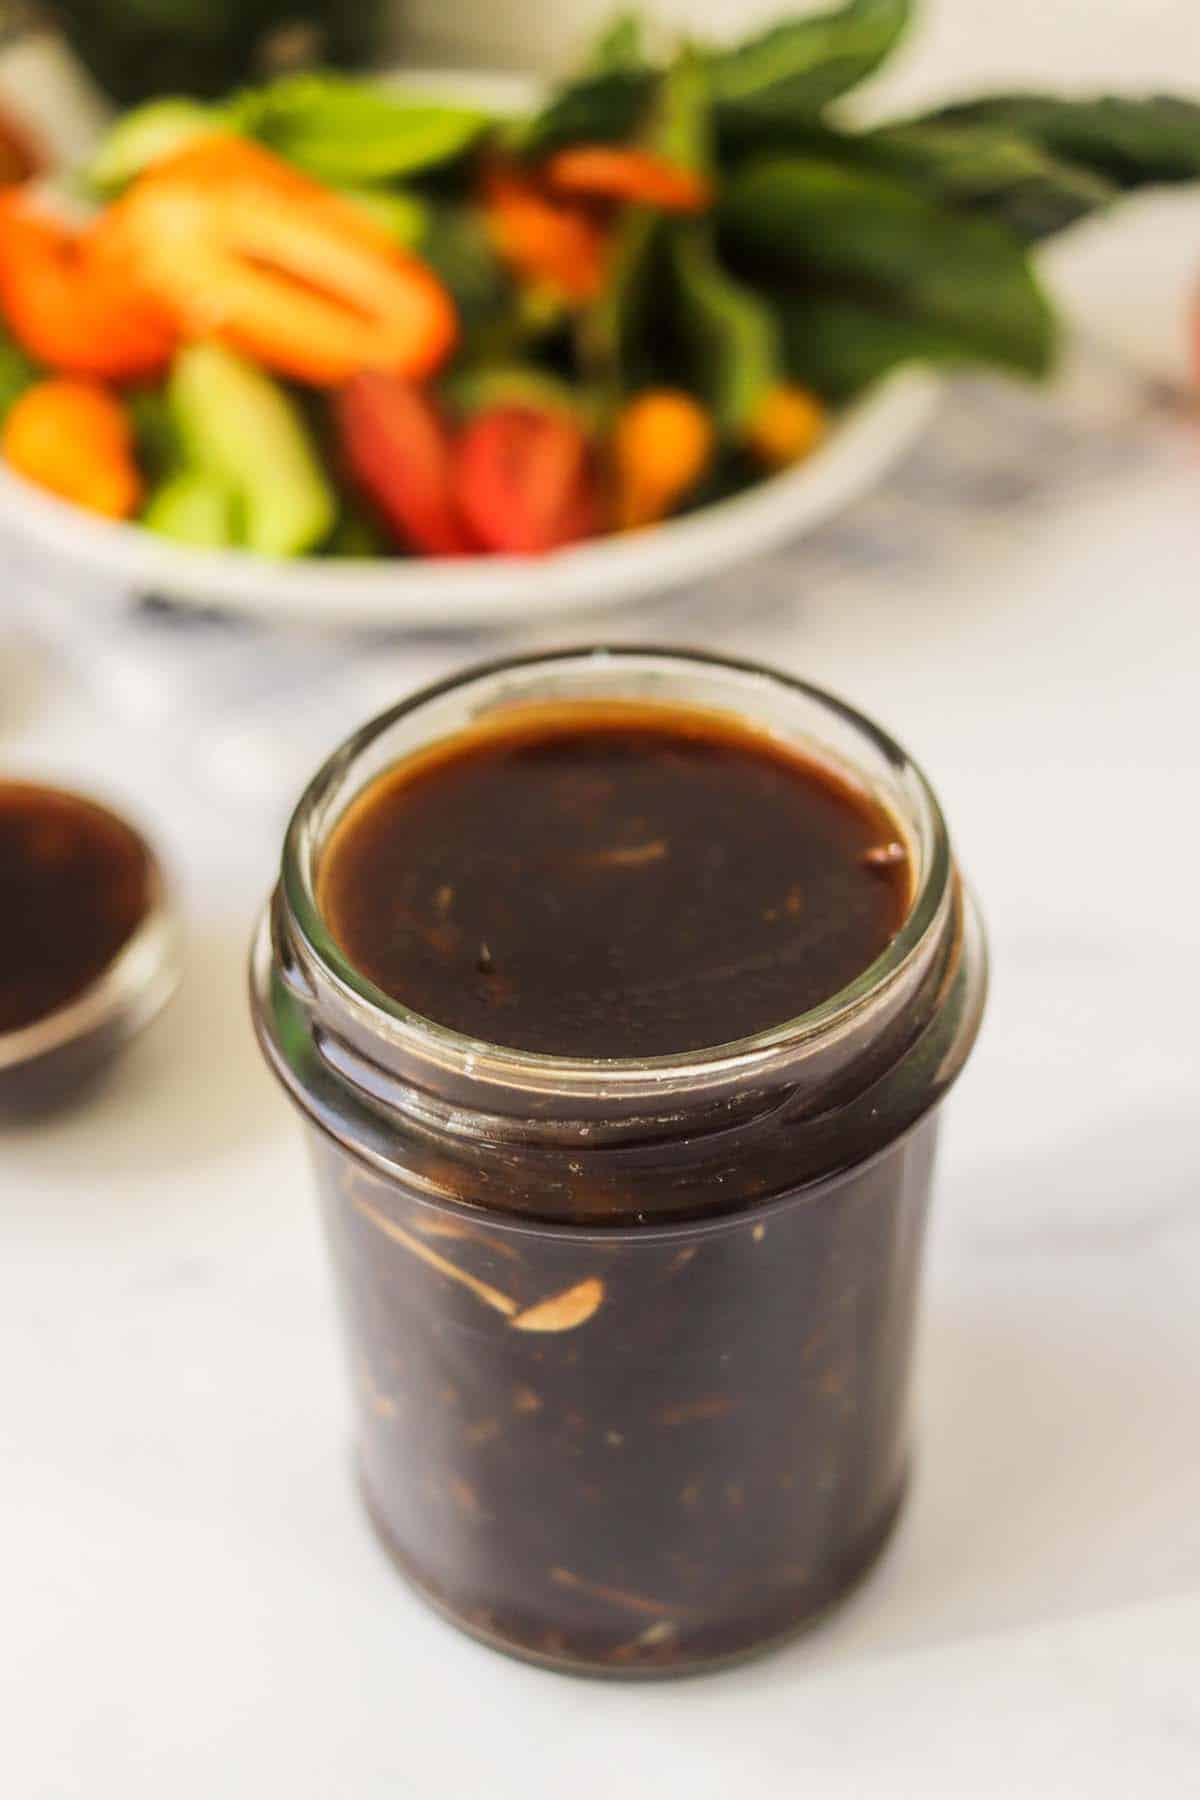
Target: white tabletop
{"points": [[193, 1603]]}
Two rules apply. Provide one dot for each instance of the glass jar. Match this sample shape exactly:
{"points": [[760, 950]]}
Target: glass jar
{"points": [[630, 1340]]}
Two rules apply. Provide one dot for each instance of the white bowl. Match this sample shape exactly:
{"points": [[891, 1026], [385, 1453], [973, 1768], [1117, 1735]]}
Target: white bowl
{"points": [[443, 594]]}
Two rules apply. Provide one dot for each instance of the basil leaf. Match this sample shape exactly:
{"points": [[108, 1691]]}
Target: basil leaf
{"points": [[346, 132], [989, 170], [1132, 142], [811, 221], [839, 346], [802, 65]]}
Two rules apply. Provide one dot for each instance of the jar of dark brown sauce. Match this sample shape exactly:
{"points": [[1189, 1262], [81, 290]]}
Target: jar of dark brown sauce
{"points": [[619, 990]]}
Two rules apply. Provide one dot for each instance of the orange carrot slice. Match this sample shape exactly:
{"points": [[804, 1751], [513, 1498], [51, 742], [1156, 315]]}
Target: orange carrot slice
{"points": [[74, 438], [77, 316], [638, 177]]}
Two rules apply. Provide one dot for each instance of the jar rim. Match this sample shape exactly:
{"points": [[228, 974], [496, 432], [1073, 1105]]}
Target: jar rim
{"points": [[462, 1054]]}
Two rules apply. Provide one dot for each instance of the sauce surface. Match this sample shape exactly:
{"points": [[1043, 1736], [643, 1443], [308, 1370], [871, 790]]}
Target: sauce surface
{"points": [[612, 881], [74, 886]]}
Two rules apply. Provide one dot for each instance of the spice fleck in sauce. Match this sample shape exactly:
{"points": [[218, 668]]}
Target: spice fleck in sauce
{"points": [[74, 886], [613, 881]]}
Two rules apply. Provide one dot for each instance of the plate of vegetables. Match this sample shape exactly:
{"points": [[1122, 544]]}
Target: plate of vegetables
{"points": [[450, 350]]}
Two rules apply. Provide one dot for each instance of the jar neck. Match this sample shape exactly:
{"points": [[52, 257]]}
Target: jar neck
{"points": [[792, 1121], [565, 1138]]}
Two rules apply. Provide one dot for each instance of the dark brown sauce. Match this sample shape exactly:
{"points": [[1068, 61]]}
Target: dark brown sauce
{"points": [[613, 881], [74, 887]]}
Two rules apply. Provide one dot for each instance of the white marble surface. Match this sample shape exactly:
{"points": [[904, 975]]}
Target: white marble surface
{"points": [[193, 1604]]}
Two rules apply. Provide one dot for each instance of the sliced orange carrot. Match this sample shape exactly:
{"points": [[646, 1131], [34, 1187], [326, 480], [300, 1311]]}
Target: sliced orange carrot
{"points": [[243, 248], [78, 316], [662, 443], [545, 241], [74, 438], [619, 172]]}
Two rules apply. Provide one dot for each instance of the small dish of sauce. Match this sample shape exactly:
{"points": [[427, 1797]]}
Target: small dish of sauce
{"points": [[87, 950]]}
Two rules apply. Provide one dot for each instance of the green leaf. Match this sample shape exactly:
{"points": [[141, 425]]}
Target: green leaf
{"points": [[727, 331], [603, 108], [348, 132], [806, 221], [990, 170], [800, 66], [618, 45], [840, 346], [1133, 142]]}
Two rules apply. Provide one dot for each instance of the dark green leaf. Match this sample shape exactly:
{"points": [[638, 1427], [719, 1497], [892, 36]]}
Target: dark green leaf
{"points": [[726, 331], [800, 66], [803, 221], [601, 108], [1132, 142], [456, 246], [618, 332], [840, 346]]}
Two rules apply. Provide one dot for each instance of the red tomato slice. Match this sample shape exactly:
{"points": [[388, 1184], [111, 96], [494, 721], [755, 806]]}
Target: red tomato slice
{"points": [[525, 480], [398, 450]]}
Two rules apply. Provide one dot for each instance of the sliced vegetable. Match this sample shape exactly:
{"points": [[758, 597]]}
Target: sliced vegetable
{"points": [[239, 428], [397, 450], [525, 480], [196, 508], [243, 248], [787, 423], [143, 137], [74, 438], [801, 65], [77, 314], [662, 444], [345, 131], [632, 176], [543, 239], [800, 218]]}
